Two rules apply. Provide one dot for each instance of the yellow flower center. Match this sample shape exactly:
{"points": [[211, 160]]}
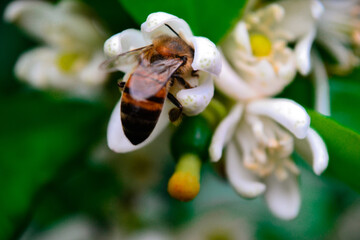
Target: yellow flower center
{"points": [[184, 184], [260, 45], [70, 61]]}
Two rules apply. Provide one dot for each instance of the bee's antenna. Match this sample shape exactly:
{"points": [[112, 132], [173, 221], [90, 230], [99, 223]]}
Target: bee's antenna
{"points": [[173, 31]]}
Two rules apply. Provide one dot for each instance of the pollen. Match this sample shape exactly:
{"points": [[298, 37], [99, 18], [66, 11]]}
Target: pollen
{"points": [[260, 45], [184, 184]]}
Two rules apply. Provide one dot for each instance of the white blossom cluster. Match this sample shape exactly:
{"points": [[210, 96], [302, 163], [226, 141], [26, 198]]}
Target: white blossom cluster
{"points": [[254, 63]]}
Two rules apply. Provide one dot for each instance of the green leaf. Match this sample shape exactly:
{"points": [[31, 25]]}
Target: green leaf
{"points": [[343, 146], [69, 192], [211, 19], [38, 136], [345, 99], [115, 20]]}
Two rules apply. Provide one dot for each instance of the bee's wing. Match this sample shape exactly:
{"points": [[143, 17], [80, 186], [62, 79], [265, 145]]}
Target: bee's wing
{"points": [[122, 59], [148, 79]]}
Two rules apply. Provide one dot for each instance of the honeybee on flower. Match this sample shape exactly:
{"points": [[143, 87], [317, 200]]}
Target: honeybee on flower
{"points": [[192, 92]]}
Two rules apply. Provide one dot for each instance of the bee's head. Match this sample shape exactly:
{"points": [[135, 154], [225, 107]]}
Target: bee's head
{"points": [[172, 47]]}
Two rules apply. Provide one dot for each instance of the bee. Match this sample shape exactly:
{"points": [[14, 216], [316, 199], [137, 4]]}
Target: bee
{"points": [[166, 60]]}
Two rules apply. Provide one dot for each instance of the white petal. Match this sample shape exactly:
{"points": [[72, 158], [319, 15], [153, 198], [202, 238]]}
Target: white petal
{"points": [[72, 25], [224, 132], [283, 197], [230, 83], [91, 75], [76, 8], [268, 80], [302, 51], [196, 99], [206, 56], [242, 39], [313, 150], [32, 65], [286, 112], [118, 142], [241, 179], [151, 234], [123, 42], [30, 15], [317, 9], [75, 227], [59, 26], [263, 78], [155, 26], [344, 56], [287, 69], [305, 12], [322, 89], [39, 68]]}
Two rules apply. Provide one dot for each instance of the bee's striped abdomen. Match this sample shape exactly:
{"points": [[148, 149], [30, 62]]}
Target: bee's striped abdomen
{"points": [[139, 117], [144, 95]]}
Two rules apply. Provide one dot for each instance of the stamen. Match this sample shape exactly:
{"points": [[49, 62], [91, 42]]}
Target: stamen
{"points": [[356, 37], [247, 142], [260, 155], [281, 173], [289, 164], [257, 128], [273, 144]]}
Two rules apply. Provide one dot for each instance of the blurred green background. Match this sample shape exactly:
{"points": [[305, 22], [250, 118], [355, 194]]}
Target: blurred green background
{"points": [[51, 146]]}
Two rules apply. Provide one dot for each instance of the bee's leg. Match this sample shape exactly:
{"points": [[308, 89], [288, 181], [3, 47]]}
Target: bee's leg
{"points": [[182, 81], [121, 84], [174, 113], [194, 73]]}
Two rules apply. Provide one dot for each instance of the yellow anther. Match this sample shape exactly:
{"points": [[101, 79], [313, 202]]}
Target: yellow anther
{"points": [[184, 184], [260, 45]]}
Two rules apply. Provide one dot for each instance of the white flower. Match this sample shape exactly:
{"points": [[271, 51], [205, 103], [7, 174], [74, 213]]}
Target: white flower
{"points": [[150, 234], [338, 30], [72, 49], [260, 137], [333, 24], [217, 225], [74, 227], [299, 23], [206, 59], [259, 62]]}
